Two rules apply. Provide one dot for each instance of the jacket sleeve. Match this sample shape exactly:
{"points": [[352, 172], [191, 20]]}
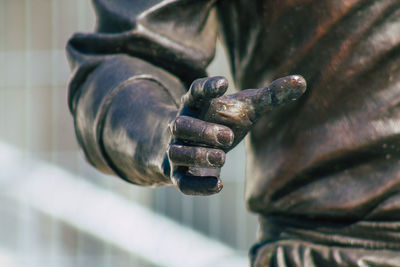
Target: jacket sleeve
{"points": [[128, 78]]}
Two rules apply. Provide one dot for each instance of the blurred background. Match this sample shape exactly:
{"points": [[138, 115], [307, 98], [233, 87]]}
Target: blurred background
{"points": [[55, 209]]}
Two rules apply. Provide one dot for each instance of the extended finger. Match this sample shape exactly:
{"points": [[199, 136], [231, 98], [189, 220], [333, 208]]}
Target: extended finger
{"points": [[195, 130], [196, 156], [205, 89], [279, 92], [195, 185]]}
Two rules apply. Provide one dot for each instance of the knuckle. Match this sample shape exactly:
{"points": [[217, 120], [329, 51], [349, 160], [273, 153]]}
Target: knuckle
{"points": [[176, 124], [182, 123], [185, 98], [173, 150], [197, 86], [172, 126]]}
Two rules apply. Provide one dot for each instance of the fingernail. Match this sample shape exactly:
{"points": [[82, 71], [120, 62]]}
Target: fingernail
{"points": [[216, 158], [222, 83], [225, 137], [299, 82], [286, 89]]}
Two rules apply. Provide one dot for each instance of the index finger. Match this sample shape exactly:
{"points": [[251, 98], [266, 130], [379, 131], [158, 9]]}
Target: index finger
{"points": [[204, 89], [279, 92]]}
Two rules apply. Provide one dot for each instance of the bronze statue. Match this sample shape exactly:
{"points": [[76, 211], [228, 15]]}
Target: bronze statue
{"points": [[323, 171]]}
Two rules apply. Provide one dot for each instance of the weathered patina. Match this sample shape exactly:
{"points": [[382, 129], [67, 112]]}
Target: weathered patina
{"points": [[323, 171]]}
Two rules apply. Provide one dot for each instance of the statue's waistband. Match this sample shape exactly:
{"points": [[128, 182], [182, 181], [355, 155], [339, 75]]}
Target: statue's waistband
{"points": [[363, 234]]}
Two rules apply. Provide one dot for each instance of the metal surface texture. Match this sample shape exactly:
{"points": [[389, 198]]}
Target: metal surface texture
{"points": [[323, 171]]}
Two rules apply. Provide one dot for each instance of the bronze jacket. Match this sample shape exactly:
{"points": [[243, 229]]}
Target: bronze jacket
{"points": [[333, 156]]}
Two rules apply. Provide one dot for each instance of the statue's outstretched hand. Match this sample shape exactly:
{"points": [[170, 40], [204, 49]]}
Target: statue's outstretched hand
{"points": [[210, 123]]}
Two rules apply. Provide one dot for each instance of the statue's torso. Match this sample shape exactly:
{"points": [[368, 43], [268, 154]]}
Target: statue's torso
{"points": [[334, 154]]}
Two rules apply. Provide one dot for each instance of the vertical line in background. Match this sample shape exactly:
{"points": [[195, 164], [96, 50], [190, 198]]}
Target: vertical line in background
{"points": [[241, 225], [28, 84], [161, 200], [26, 219], [54, 80], [214, 210], [80, 240], [2, 51], [187, 210], [55, 227], [2, 30], [82, 12]]}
